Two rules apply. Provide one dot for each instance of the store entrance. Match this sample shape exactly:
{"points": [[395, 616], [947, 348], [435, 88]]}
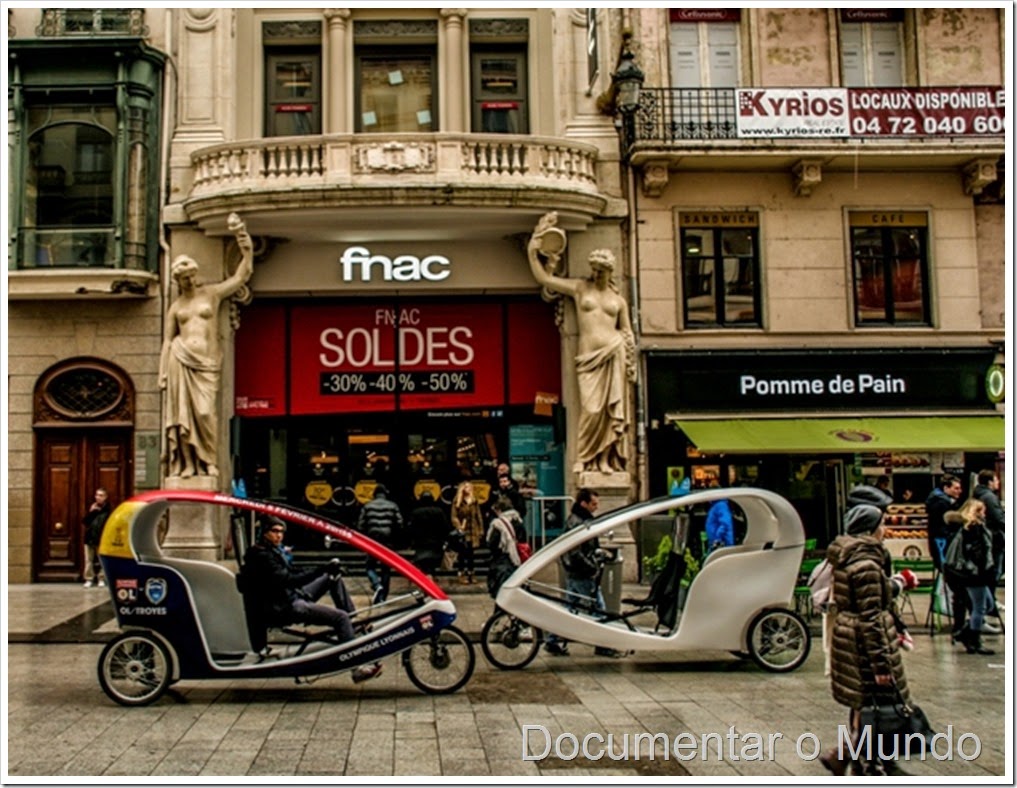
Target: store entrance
{"points": [[332, 464]]}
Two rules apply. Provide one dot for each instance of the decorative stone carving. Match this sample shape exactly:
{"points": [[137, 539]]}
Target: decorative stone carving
{"points": [[307, 28], [191, 361], [978, 174], [500, 28], [806, 175], [398, 28], [395, 157], [655, 178], [606, 357]]}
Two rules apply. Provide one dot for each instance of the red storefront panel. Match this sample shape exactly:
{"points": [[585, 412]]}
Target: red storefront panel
{"points": [[534, 349], [260, 381]]}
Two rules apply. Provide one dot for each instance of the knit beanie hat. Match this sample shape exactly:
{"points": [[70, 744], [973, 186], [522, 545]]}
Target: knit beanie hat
{"points": [[867, 494], [863, 519]]}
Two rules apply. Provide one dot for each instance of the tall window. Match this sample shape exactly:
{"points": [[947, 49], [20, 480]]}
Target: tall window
{"points": [[704, 48], [891, 269], [720, 269], [83, 148], [292, 77], [499, 76], [396, 76], [499, 91], [68, 200], [396, 91], [294, 92], [872, 47]]}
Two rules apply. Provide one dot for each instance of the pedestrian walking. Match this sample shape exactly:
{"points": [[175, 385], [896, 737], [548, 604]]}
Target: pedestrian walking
{"points": [[866, 664], [968, 564], [381, 520]]}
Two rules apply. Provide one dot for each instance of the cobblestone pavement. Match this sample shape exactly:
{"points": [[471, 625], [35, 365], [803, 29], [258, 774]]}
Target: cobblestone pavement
{"points": [[60, 724]]}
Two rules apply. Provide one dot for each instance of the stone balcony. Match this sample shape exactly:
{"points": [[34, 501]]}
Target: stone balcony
{"points": [[326, 187]]}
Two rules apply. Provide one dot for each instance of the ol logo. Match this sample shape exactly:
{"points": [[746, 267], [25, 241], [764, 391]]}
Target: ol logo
{"points": [[155, 590]]}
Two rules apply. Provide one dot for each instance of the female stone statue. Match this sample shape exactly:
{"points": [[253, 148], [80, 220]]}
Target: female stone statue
{"points": [[605, 362], [191, 360]]}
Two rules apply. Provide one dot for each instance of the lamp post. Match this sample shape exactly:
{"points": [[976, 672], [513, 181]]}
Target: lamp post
{"points": [[627, 79]]}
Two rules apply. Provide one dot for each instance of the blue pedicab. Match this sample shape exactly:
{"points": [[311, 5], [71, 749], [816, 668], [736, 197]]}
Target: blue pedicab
{"points": [[185, 619]]}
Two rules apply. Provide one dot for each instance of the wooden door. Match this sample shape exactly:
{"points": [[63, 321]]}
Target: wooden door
{"points": [[70, 465]]}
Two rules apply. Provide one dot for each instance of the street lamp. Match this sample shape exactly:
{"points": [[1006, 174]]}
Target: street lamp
{"points": [[627, 80]]}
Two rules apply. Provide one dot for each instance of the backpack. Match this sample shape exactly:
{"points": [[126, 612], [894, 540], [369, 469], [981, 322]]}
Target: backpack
{"points": [[821, 583]]}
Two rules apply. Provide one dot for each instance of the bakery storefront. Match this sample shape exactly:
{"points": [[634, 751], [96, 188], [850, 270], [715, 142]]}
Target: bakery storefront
{"points": [[811, 424], [414, 365]]}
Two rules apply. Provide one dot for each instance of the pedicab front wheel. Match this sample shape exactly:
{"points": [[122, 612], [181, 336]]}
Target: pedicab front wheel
{"points": [[441, 664], [779, 640], [508, 643], [134, 669]]}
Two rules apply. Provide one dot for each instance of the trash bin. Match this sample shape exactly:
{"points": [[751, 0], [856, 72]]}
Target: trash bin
{"points": [[611, 582]]}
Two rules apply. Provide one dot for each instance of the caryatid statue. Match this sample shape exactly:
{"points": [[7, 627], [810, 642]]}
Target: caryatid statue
{"points": [[606, 358], [191, 362]]}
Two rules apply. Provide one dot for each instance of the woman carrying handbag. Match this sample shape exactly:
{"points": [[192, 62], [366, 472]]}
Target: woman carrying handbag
{"points": [[865, 660]]}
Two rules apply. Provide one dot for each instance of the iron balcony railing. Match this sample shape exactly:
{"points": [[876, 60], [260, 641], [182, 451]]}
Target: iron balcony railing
{"points": [[673, 114]]}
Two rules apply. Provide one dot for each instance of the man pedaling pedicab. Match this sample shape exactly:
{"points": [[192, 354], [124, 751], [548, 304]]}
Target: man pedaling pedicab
{"points": [[281, 596]]}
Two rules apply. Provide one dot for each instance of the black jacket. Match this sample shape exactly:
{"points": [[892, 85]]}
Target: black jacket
{"points": [[429, 526], [936, 507], [974, 565], [581, 563], [94, 522], [511, 491], [995, 519], [268, 581], [380, 519]]}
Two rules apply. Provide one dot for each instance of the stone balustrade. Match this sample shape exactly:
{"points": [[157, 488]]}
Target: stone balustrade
{"points": [[400, 160]]}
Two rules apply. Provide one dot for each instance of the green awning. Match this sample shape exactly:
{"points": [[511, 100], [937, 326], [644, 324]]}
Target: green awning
{"points": [[955, 433]]}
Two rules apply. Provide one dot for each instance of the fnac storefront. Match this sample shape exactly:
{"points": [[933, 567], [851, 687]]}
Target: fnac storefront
{"points": [[811, 424], [418, 388]]}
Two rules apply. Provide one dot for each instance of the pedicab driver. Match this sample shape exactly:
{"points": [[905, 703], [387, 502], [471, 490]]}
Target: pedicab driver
{"points": [[284, 596]]}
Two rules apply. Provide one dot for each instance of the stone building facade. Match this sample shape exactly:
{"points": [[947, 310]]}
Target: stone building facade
{"points": [[430, 142]]}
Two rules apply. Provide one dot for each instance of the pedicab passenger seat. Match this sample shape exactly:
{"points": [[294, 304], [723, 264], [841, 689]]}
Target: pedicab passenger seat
{"points": [[216, 603], [663, 595], [258, 624]]}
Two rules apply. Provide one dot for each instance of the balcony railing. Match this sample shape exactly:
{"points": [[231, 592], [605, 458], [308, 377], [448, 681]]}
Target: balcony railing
{"points": [[403, 160], [92, 22], [673, 114]]}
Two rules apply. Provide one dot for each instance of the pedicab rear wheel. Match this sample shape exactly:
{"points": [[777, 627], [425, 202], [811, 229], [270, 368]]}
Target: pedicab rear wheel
{"points": [[134, 669], [779, 640], [441, 664], [508, 643]]}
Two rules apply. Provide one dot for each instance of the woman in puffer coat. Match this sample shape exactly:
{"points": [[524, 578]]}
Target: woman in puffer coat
{"points": [[865, 661]]}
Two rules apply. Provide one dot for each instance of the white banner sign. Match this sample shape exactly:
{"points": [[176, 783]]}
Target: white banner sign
{"points": [[814, 112]]}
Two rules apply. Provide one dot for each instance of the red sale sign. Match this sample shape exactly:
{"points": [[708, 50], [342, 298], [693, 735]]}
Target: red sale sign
{"points": [[377, 358]]}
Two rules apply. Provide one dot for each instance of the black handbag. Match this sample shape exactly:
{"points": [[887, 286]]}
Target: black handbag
{"points": [[904, 728]]}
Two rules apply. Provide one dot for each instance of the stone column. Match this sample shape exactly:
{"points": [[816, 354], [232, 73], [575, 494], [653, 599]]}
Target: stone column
{"points": [[452, 79], [205, 95], [337, 67]]}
